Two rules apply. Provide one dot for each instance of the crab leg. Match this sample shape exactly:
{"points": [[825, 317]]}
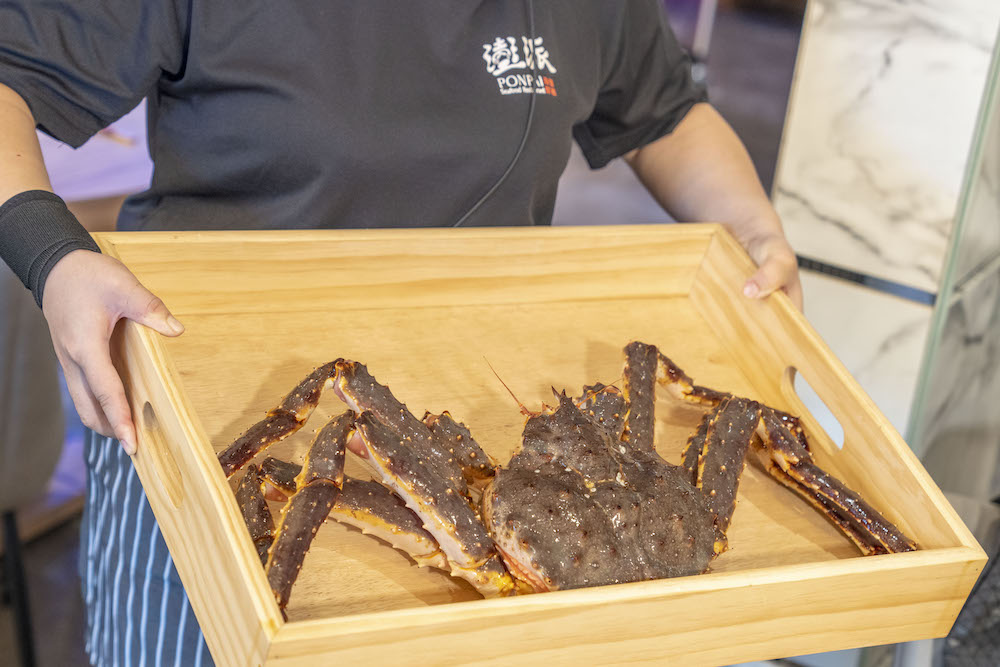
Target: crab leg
{"points": [[695, 444], [644, 365], [426, 474], [255, 512], [280, 422], [786, 458], [790, 424], [477, 466], [376, 511], [713, 459], [640, 395], [605, 405], [423, 469], [356, 386], [716, 454], [403, 463], [317, 488], [447, 435], [372, 508], [680, 385], [279, 477]]}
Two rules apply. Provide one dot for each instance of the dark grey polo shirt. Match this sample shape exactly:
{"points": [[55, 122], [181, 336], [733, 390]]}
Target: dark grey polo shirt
{"points": [[342, 113]]}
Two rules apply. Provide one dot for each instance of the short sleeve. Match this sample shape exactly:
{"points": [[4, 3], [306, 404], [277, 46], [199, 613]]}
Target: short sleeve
{"points": [[647, 87], [82, 64]]}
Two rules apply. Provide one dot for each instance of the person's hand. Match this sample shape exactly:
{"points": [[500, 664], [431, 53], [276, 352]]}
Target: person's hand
{"points": [[85, 295], [778, 268], [701, 172]]}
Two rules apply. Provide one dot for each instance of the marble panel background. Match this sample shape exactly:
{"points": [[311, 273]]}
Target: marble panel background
{"points": [[977, 230], [878, 131], [956, 423], [958, 428], [878, 337]]}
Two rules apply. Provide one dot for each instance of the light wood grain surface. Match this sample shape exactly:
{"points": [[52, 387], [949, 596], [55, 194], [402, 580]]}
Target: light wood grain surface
{"points": [[430, 311]]}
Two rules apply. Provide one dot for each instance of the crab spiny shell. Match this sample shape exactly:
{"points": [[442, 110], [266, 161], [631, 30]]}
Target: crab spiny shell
{"points": [[573, 509]]}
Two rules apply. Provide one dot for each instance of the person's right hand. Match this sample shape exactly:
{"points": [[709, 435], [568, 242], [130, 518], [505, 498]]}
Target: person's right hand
{"points": [[85, 295]]}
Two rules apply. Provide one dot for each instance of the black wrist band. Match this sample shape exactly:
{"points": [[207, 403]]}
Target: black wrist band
{"points": [[36, 231]]}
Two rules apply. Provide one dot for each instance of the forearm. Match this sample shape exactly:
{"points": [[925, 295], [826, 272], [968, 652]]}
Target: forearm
{"points": [[36, 228], [88, 292], [702, 173], [21, 165]]}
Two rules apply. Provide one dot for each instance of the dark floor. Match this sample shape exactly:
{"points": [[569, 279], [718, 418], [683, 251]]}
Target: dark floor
{"points": [[57, 608], [749, 74]]}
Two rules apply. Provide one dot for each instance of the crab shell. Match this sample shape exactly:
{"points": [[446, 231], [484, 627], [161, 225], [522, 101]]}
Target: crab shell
{"points": [[577, 508]]}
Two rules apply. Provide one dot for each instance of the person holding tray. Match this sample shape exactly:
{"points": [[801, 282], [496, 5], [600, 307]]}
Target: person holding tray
{"points": [[322, 115]]}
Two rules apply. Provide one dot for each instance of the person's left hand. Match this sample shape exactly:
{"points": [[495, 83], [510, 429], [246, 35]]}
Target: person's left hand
{"points": [[778, 267]]}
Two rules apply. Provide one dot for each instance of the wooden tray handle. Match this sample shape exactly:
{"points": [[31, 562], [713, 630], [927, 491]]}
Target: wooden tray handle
{"points": [[796, 406], [184, 481], [165, 468]]}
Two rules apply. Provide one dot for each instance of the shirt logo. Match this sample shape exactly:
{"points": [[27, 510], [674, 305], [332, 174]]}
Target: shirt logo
{"points": [[512, 64]]}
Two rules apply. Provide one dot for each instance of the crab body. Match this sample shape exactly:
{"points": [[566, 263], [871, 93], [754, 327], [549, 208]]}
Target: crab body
{"points": [[588, 501], [576, 507]]}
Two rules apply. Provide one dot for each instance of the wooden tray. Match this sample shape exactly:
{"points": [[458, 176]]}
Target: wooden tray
{"points": [[426, 310]]}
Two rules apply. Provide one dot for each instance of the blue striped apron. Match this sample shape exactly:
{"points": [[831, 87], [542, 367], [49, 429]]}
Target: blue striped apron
{"points": [[137, 610]]}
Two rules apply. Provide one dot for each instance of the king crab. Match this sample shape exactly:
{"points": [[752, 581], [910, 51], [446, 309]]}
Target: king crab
{"points": [[585, 501]]}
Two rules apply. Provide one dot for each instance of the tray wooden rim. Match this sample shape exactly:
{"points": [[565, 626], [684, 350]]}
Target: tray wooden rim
{"points": [[821, 351], [639, 590], [273, 628], [702, 230]]}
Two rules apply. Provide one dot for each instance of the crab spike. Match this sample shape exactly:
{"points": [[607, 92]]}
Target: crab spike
{"points": [[784, 456], [317, 488], [280, 422], [255, 512]]}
